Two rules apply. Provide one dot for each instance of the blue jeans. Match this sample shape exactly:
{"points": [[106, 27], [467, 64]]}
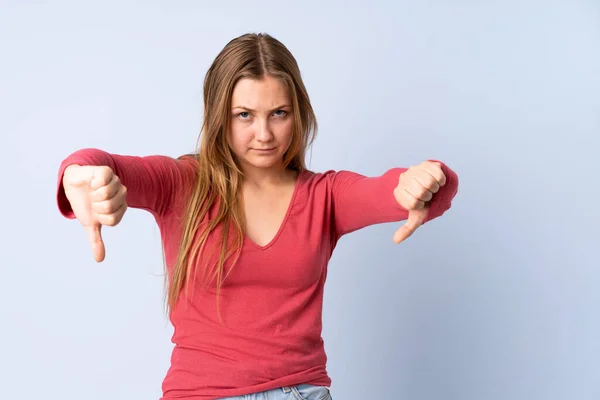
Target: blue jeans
{"points": [[298, 392]]}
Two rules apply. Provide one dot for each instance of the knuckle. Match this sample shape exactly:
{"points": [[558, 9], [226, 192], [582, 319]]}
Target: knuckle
{"points": [[106, 173], [103, 207], [106, 207], [111, 220], [103, 170], [101, 193], [433, 185]]}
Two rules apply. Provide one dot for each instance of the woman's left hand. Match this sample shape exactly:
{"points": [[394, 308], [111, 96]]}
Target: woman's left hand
{"points": [[414, 192]]}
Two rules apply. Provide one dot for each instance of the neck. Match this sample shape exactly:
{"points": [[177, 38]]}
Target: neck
{"points": [[267, 177]]}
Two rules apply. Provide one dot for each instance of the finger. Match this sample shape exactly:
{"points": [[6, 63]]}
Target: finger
{"points": [[77, 175], [409, 192], [106, 207], [108, 191], [414, 221], [427, 181], [111, 205], [414, 203], [113, 218], [420, 186], [435, 170], [95, 238], [101, 176]]}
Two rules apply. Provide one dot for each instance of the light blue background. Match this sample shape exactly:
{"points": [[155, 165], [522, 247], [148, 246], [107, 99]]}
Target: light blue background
{"points": [[498, 299]]}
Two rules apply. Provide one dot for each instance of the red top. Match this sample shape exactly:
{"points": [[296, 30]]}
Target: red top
{"points": [[271, 303]]}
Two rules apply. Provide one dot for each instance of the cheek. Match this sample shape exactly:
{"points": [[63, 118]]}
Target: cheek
{"points": [[237, 138], [286, 131]]}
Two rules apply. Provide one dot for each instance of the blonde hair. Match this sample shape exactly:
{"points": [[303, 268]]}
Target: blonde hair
{"points": [[219, 177]]}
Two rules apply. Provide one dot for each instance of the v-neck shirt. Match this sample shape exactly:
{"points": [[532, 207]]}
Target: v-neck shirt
{"points": [[271, 301]]}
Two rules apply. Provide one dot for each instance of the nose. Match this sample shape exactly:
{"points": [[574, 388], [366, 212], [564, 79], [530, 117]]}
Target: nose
{"points": [[263, 131]]}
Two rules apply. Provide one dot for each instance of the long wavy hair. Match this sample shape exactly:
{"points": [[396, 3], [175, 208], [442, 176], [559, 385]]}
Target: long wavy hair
{"points": [[219, 177]]}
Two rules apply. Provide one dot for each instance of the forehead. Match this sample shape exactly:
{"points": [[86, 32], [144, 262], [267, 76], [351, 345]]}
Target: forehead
{"points": [[265, 93]]}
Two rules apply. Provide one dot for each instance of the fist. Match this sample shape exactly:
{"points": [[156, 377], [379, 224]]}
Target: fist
{"points": [[416, 187], [97, 198]]}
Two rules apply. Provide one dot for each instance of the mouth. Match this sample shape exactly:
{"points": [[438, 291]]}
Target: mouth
{"points": [[265, 150]]}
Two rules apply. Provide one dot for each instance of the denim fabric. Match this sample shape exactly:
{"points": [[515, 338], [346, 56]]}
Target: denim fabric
{"points": [[298, 392]]}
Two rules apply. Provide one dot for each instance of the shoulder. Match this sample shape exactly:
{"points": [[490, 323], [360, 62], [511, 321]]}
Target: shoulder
{"points": [[326, 175], [188, 164], [334, 177], [192, 158], [314, 178], [327, 180]]}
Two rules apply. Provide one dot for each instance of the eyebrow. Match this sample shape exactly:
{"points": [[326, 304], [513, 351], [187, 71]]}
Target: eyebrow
{"points": [[276, 108]]}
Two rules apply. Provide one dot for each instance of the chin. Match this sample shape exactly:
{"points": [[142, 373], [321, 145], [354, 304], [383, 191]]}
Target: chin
{"points": [[264, 162]]}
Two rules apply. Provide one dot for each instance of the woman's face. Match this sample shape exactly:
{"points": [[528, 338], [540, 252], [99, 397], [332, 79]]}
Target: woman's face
{"points": [[262, 122]]}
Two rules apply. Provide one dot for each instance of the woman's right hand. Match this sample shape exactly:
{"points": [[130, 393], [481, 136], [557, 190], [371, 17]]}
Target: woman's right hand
{"points": [[97, 198]]}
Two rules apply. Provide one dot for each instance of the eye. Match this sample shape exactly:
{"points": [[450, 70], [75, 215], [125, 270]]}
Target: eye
{"points": [[283, 113], [244, 115]]}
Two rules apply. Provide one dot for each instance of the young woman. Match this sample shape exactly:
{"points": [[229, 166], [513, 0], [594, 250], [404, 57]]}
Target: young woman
{"points": [[247, 230]]}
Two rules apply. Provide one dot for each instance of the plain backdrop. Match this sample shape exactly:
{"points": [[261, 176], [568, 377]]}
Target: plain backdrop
{"points": [[498, 299]]}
